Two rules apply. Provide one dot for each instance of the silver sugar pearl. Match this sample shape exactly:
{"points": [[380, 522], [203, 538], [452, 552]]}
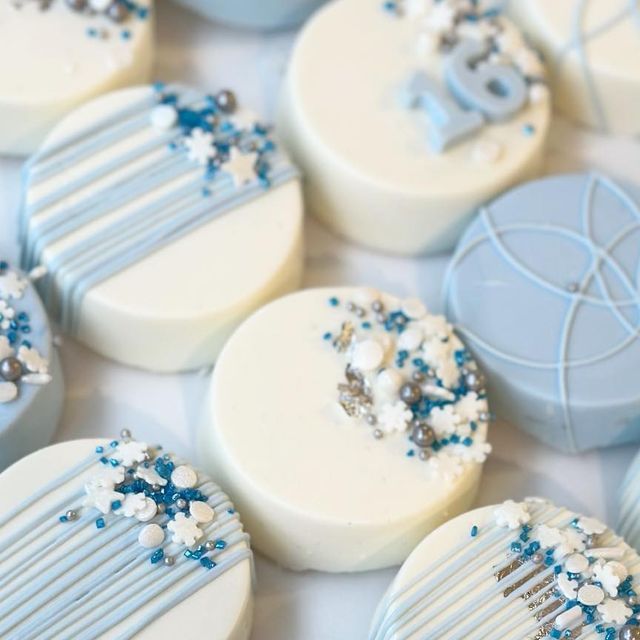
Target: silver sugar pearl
{"points": [[537, 558], [418, 376], [410, 393], [484, 416], [632, 600], [381, 318], [226, 101], [169, 561], [424, 454], [351, 307], [377, 434], [210, 545], [590, 541], [181, 503], [71, 515], [372, 419], [125, 433], [360, 312], [11, 369], [423, 436], [377, 306], [629, 632], [162, 507], [117, 12], [155, 488], [77, 5], [573, 287]]}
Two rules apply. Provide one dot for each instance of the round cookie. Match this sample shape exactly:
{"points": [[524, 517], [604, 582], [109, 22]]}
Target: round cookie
{"points": [[102, 540], [543, 286], [592, 48], [163, 216], [348, 424], [31, 384], [628, 518], [515, 571], [434, 107], [57, 54], [254, 14]]}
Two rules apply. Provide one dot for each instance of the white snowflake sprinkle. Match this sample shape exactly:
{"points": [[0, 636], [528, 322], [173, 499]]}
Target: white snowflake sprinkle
{"points": [[470, 406], [128, 453], [549, 537], [441, 18], [101, 498], [394, 417], [132, 503], [591, 526], [185, 530], [6, 349], [512, 514], [610, 575], [476, 452], [107, 477], [614, 611], [444, 466], [200, 146], [32, 360], [12, 285], [444, 419]]}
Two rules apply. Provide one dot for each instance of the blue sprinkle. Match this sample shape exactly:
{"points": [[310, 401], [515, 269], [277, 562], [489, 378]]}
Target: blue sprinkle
{"points": [[411, 453], [334, 302], [99, 449], [113, 462], [327, 336], [100, 523], [125, 34], [474, 531], [63, 519], [528, 129], [156, 556], [115, 505], [220, 544], [113, 444], [207, 563]]}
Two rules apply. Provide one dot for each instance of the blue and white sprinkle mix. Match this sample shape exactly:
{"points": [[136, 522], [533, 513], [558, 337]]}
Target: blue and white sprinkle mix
{"points": [[217, 137], [136, 481], [407, 372], [579, 582], [20, 362]]}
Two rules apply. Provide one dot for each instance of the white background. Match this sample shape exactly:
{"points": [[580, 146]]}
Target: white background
{"points": [[103, 397]]}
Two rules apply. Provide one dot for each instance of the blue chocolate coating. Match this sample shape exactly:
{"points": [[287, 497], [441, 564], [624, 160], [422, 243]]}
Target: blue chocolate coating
{"points": [[29, 422], [544, 285], [255, 14]]}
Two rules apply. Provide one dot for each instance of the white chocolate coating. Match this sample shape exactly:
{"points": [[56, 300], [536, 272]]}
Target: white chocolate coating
{"points": [[180, 303], [598, 69], [370, 173], [222, 610], [50, 65], [316, 490]]}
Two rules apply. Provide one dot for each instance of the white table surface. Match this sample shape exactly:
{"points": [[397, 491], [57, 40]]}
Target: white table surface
{"points": [[103, 397]]}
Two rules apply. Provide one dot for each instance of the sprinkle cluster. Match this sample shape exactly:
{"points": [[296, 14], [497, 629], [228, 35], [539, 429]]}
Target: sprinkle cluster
{"points": [[20, 361], [591, 581], [407, 372], [117, 12], [443, 23], [136, 481], [217, 136]]}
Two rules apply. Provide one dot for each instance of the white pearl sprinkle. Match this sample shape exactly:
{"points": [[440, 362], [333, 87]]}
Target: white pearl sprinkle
{"points": [[201, 512], [367, 355], [410, 339], [147, 512], [413, 308], [163, 117], [151, 536], [388, 382], [576, 563], [99, 5], [184, 477], [590, 595]]}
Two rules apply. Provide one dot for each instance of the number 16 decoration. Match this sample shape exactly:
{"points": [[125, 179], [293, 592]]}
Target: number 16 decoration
{"points": [[481, 91]]}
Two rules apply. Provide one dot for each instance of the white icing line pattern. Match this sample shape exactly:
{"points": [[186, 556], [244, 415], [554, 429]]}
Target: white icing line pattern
{"points": [[407, 372]]}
